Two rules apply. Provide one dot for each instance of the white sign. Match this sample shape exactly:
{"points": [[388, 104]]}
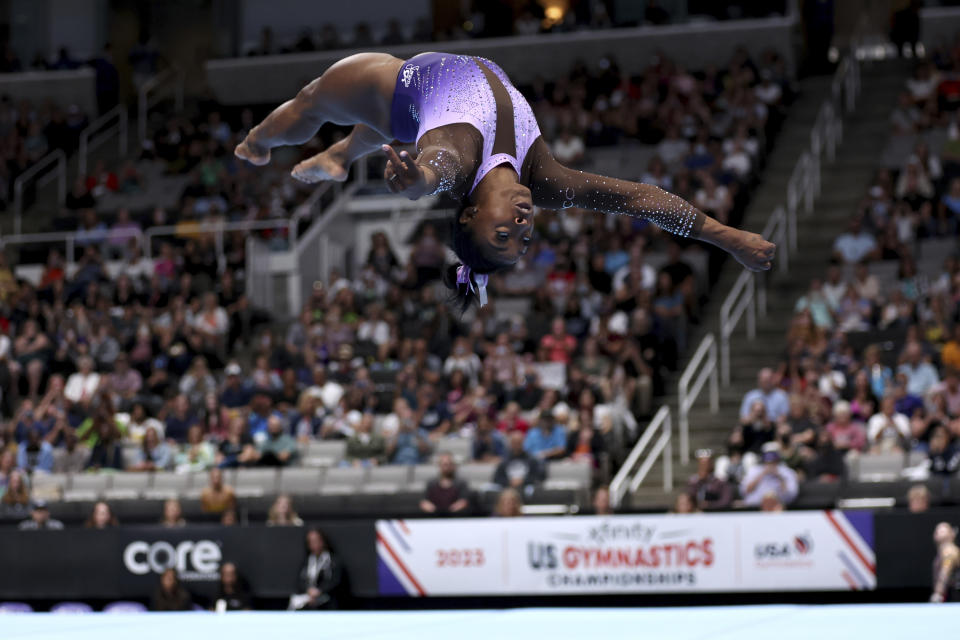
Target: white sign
{"points": [[829, 550]]}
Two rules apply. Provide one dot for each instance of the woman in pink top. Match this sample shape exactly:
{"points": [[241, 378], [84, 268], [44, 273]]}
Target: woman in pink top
{"points": [[477, 139], [846, 434]]}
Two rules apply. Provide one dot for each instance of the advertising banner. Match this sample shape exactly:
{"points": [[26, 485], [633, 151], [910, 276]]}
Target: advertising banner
{"points": [[801, 551]]}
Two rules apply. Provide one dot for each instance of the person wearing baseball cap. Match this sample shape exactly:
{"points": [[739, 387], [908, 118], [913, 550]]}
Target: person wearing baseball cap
{"points": [[40, 519], [770, 476]]}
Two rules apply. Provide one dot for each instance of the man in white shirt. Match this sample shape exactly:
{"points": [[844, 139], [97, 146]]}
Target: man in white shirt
{"points": [[82, 385], [855, 244], [887, 430], [635, 272], [774, 399], [772, 476], [834, 288]]}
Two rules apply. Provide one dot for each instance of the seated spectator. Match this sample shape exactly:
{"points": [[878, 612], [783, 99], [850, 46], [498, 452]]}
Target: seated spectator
{"points": [[489, 444], [585, 444], [518, 470], [170, 594], [756, 428], [281, 513], [511, 419], [944, 456], [124, 383], [774, 399], [803, 430], [509, 504], [196, 454], [279, 449], [238, 448], [233, 593], [82, 386], [949, 390], [825, 463], [320, 576], [855, 245], [887, 430], [771, 503], [72, 457], [172, 514], [217, 497], [154, 454], [683, 503], [601, 502], [197, 382], [771, 476], [179, 419], [845, 434], [950, 354], [709, 492], [446, 493], [107, 451], [101, 517], [547, 439], [235, 392], [559, 344], [40, 519], [34, 454], [365, 448], [918, 499], [921, 375], [409, 444]]}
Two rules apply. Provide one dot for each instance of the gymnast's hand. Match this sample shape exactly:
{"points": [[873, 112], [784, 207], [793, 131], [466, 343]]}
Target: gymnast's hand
{"points": [[752, 251], [405, 176]]}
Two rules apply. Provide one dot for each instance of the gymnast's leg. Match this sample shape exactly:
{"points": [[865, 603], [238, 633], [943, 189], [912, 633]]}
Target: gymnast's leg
{"points": [[333, 163], [355, 90]]}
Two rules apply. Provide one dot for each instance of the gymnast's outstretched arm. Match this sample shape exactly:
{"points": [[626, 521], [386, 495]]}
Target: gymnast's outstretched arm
{"points": [[557, 187]]}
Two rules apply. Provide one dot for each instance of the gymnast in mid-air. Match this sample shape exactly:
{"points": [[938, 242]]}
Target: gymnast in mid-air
{"points": [[476, 139]]}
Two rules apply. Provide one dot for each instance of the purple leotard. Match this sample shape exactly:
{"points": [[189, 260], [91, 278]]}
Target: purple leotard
{"points": [[438, 89]]}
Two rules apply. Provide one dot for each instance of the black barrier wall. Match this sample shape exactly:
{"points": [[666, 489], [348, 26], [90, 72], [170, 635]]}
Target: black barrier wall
{"points": [[126, 562]]}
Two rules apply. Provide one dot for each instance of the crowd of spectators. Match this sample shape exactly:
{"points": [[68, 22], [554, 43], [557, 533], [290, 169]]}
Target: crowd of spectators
{"points": [[871, 364], [499, 18]]}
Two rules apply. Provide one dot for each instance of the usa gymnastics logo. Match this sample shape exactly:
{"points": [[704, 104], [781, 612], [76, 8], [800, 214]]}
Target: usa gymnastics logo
{"points": [[799, 546]]}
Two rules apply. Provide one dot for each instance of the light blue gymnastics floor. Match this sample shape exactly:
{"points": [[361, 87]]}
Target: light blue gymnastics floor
{"points": [[777, 622]]}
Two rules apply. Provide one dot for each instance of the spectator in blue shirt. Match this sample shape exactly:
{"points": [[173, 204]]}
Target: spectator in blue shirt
{"points": [[774, 399], [179, 420], [921, 375], [154, 454], [410, 445], [34, 453], [489, 445], [260, 412], [547, 439], [235, 393]]}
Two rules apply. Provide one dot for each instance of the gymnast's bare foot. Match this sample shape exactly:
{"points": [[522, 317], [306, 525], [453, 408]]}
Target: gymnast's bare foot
{"points": [[327, 165], [252, 152]]}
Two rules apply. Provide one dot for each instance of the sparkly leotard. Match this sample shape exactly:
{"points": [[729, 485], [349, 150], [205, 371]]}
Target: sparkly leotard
{"points": [[434, 90]]}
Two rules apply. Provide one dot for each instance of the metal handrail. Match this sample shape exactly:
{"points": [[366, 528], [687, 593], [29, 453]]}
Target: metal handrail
{"points": [[58, 157], [702, 367], [662, 422], [99, 135], [740, 300], [148, 96]]}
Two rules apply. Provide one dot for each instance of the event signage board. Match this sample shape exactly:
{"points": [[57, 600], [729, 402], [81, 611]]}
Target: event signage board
{"points": [[798, 551]]}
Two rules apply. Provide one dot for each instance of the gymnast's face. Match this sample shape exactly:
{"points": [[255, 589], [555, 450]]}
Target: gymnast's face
{"points": [[502, 222]]}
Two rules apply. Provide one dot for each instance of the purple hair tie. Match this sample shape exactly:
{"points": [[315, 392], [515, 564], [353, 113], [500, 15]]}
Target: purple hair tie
{"points": [[463, 277]]}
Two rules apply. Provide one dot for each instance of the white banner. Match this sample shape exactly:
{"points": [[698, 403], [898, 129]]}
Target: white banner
{"points": [[814, 550]]}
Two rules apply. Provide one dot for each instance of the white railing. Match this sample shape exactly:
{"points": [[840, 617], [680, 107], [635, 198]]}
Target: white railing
{"points": [[740, 299], [626, 480], [113, 122], [702, 368], [152, 91], [57, 158]]}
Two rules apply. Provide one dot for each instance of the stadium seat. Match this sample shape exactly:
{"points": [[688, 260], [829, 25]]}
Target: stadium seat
{"points": [[71, 607], [876, 467], [125, 606], [15, 607], [568, 475], [127, 486], [422, 474], [87, 486], [324, 453], [49, 486], [131, 452], [387, 479], [299, 480], [477, 475], [460, 448], [341, 480], [167, 485], [255, 482]]}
